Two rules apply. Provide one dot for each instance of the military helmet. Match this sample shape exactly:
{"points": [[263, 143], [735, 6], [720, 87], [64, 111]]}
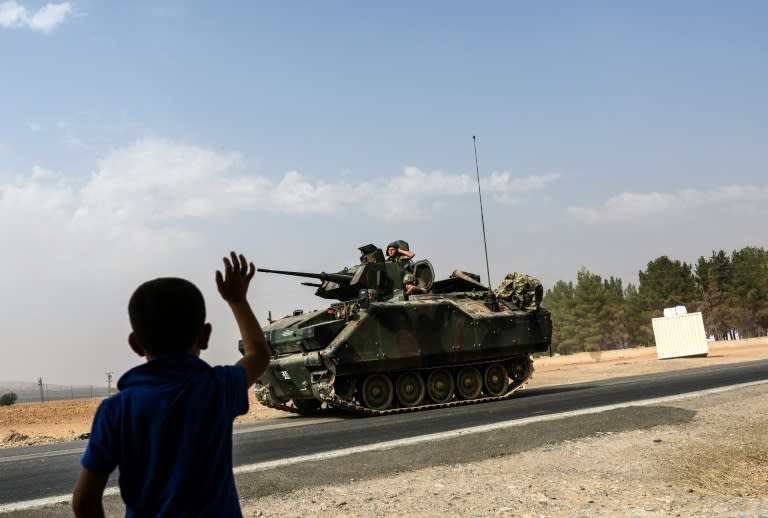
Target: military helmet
{"points": [[409, 277], [402, 245]]}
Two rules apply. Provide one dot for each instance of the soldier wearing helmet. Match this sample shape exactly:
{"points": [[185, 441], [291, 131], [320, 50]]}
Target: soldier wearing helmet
{"points": [[397, 252], [411, 284]]}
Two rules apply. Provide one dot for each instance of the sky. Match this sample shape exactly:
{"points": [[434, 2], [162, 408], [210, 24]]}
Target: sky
{"points": [[147, 139]]}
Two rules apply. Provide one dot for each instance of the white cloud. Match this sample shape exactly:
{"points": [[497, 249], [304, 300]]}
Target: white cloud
{"points": [[156, 189], [12, 14], [41, 193], [158, 182], [415, 193], [508, 189], [147, 197], [629, 206], [161, 198], [416, 182], [33, 214], [49, 16], [295, 194], [45, 19]]}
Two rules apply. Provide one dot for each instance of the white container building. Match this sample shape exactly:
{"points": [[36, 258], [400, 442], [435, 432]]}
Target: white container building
{"points": [[679, 334]]}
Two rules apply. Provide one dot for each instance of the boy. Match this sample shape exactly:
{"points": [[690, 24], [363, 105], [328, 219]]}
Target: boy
{"points": [[169, 429]]}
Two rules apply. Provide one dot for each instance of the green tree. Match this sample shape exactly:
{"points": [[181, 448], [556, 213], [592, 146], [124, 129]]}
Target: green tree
{"points": [[718, 269], [589, 316], [638, 322], [750, 289], [666, 283], [730, 291], [714, 279], [559, 301], [617, 329], [8, 399], [716, 312], [590, 310]]}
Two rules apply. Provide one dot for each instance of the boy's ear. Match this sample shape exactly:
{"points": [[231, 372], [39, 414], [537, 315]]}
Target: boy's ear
{"points": [[205, 335], [133, 341]]}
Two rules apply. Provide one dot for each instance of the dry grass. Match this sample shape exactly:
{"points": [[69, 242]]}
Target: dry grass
{"points": [[734, 464]]}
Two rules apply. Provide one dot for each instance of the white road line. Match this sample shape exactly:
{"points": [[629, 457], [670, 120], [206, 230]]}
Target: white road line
{"points": [[261, 466], [247, 428], [28, 456], [51, 500]]}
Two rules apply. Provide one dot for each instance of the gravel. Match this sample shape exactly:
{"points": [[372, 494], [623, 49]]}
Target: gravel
{"points": [[714, 465]]}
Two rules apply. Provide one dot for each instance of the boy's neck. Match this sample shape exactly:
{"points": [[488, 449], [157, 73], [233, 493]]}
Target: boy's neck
{"points": [[193, 351]]}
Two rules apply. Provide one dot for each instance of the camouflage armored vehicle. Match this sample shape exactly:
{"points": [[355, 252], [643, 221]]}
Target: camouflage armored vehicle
{"points": [[378, 350]]}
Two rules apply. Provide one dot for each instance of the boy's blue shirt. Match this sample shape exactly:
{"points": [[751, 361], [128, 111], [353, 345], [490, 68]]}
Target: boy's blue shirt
{"points": [[169, 430]]}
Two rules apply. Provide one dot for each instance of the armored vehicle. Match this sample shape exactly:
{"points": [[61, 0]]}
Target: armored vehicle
{"points": [[378, 350]]}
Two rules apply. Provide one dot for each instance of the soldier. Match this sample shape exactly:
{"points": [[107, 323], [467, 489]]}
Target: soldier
{"points": [[397, 252], [412, 285]]}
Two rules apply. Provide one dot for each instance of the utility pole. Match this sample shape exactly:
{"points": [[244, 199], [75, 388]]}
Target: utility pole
{"points": [[109, 383], [40, 385]]}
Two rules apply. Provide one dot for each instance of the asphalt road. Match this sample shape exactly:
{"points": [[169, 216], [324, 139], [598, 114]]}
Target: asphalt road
{"points": [[262, 451]]}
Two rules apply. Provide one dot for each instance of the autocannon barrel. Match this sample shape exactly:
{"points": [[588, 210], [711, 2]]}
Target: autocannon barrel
{"points": [[341, 278]]}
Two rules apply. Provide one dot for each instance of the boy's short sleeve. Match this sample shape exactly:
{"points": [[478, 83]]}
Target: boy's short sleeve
{"points": [[100, 455], [234, 381]]}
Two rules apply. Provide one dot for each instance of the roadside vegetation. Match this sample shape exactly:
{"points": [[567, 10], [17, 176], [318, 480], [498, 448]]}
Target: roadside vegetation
{"points": [[594, 314], [8, 399]]}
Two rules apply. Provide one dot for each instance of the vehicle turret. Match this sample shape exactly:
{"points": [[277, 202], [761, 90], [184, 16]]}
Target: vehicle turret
{"points": [[373, 273]]}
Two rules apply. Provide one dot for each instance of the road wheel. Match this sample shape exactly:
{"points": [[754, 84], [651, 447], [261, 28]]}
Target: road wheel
{"points": [[344, 387], [377, 392], [521, 369], [307, 406], [410, 389], [469, 383], [496, 379], [440, 386]]}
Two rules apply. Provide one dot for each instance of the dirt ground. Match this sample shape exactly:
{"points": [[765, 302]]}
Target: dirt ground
{"points": [[28, 424], [56, 421]]}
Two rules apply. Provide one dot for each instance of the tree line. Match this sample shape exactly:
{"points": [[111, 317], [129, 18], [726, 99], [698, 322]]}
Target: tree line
{"points": [[730, 290]]}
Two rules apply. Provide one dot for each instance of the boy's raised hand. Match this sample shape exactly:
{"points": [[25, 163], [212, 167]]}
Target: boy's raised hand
{"points": [[233, 287], [233, 284]]}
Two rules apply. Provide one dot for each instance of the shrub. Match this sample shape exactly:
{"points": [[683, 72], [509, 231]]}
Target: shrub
{"points": [[8, 399]]}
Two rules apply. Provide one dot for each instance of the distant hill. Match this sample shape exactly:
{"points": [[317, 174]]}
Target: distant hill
{"points": [[30, 392], [8, 386]]}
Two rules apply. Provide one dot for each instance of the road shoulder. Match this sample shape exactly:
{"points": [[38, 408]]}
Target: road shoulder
{"points": [[703, 456]]}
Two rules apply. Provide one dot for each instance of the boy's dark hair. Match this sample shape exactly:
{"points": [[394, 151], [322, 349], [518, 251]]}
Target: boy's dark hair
{"points": [[166, 315]]}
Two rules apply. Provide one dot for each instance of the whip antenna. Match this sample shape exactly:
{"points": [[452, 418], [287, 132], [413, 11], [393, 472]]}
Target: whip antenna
{"points": [[482, 218]]}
